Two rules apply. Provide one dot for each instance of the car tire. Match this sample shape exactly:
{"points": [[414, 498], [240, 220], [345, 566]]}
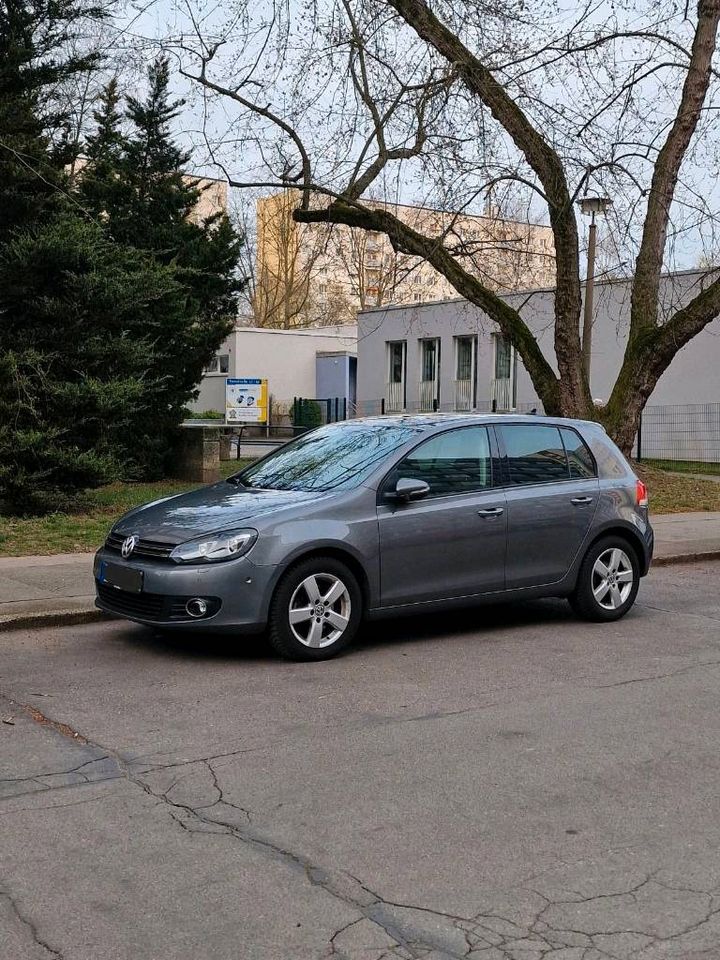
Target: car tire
{"points": [[315, 611], [608, 581]]}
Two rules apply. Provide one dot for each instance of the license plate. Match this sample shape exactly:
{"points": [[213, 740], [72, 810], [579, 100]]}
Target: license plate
{"points": [[123, 578]]}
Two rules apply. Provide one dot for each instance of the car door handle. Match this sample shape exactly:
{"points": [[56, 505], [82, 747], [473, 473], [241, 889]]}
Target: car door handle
{"points": [[490, 512], [579, 501]]}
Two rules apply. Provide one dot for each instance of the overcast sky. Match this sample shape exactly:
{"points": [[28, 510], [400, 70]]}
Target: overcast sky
{"points": [[147, 25]]}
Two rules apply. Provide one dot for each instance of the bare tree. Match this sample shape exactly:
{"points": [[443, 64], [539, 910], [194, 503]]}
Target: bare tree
{"points": [[457, 98]]}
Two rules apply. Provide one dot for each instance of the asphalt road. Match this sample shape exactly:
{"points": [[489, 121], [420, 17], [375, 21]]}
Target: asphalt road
{"points": [[508, 783]]}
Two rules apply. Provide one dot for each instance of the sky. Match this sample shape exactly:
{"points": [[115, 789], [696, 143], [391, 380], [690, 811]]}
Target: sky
{"points": [[293, 84]]}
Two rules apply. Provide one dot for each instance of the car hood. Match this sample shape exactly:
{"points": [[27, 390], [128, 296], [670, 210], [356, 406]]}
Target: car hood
{"points": [[220, 506]]}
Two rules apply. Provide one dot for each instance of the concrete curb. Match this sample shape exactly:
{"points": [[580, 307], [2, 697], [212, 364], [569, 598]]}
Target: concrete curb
{"points": [[55, 617], [699, 557]]}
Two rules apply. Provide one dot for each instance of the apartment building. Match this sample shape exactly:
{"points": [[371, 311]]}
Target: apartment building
{"points": [[213, 199], [309, 274]]}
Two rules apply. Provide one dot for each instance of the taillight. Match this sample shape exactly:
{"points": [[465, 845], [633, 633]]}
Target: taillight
{"points": [[641, 494]]}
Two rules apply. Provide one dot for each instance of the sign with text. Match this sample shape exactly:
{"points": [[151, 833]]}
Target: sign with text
{"points": [[246, 400]]}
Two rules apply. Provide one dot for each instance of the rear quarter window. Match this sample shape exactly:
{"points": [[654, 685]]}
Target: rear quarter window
{"points": [[611, 464]]}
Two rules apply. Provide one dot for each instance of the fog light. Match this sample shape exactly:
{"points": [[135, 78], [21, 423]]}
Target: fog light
{"points": [[197, 607]]}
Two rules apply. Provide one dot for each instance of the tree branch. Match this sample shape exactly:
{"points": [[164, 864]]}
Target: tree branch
{"points": [[266, 112], [546, 164], [646, 284]]}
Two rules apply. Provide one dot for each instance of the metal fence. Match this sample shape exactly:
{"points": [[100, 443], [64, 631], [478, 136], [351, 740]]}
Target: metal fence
{"points": [[372, 408], [314, 411], [681, 434]]}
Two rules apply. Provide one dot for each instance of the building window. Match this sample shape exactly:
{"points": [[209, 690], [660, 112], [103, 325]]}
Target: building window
{"points": [[322, 289], [465, 357], [503, 357], [465, 379], [397, 353], [429, 350], [429, 387], [417, 297], [220, 363]]}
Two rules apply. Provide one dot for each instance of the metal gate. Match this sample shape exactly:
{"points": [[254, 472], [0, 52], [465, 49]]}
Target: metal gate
{"points": [[310, 412]]}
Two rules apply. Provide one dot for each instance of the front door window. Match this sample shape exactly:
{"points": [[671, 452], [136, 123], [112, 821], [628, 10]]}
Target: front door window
{"points": [[454, 462]]}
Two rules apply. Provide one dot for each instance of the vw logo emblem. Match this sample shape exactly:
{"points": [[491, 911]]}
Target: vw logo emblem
{"points": [[129, 544]]}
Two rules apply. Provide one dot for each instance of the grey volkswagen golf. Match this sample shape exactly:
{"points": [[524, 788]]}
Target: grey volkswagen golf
{"points": [[382, 516]]}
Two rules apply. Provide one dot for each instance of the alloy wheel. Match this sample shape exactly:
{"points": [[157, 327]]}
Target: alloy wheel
{"points": [[612, 578], [319, 610]]}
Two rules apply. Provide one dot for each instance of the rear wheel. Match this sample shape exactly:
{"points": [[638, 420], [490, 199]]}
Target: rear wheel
{"points": [[316, 610], [608, 581]]}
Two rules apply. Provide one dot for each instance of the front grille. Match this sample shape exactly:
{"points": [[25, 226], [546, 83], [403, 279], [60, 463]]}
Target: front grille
{"points": [[150, 606], [154, 549]]}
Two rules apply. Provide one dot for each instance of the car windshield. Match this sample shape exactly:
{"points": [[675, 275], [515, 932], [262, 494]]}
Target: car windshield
{"points": [[333, 457]]}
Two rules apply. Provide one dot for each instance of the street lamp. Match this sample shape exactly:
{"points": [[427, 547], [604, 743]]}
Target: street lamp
{"points": [[589, 206]]}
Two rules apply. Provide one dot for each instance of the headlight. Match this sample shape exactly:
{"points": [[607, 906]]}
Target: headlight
{"points": [[226, 545]]}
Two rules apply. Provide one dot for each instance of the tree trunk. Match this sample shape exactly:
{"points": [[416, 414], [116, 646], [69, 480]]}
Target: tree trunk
{"points": [[622, 425]]}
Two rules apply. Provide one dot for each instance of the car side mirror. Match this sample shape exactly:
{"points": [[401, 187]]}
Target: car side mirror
{"points": [[407, 489]]}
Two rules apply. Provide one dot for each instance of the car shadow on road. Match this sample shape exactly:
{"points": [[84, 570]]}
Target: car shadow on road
{"points": [[484, 621]]}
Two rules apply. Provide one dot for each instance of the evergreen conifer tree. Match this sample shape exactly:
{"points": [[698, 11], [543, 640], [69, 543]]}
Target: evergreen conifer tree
{"points": [[102, 336], [33, 36]]}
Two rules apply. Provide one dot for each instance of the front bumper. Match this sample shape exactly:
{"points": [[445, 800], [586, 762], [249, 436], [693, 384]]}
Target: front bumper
{"points": [[238, 590]]}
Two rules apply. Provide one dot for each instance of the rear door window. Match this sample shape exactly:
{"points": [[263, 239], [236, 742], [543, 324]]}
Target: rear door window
{"points": [[535, 454], [580, 460]]}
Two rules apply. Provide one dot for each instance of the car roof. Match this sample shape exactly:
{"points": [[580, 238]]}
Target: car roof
{"points": [[433, 420]]}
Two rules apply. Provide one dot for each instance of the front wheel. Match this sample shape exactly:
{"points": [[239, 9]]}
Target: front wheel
{"points": [[316, 610], [608, 581]]}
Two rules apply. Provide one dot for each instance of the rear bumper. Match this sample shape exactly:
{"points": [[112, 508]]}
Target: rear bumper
{"points": [[237, 591], [650, 549]]}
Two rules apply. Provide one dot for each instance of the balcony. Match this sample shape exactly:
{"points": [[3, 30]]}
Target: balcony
{"points": [[428, 395], [502, 394], [395, 397], [464, 395]]}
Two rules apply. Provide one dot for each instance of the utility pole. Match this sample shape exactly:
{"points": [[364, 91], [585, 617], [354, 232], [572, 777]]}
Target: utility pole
{"points": [[590, 206]]}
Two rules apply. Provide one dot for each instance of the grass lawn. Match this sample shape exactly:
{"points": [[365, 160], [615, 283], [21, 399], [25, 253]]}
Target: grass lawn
{"points": [[684, 466], [85, 530], [675, 494]]}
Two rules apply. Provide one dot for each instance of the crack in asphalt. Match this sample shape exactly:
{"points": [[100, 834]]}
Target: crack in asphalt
{"points": [[659, 676], [29, 925], [52, 773], [685, 613], [411, 932]]}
